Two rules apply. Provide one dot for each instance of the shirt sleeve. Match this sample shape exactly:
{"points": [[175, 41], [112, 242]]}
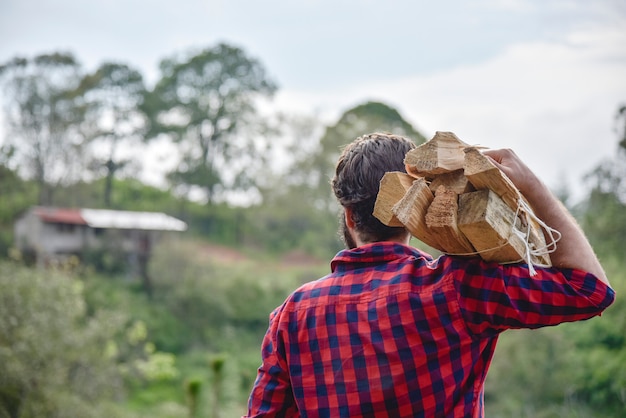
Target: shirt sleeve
{"points": [[272, 395], [495, 297]]}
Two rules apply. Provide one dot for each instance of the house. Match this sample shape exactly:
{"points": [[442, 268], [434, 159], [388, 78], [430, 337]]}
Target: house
{"points": [[49, 234]]}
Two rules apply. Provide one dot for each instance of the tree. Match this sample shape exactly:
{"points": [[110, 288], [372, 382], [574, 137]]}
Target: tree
{"points": [[620, 118], [363, 119], [204, 102], [287, 219], [113, 95], [17, 196], [299, 209], [43, 119], [604, 211]]}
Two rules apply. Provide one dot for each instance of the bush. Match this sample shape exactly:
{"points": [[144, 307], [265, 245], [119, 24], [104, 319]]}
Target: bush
{"points": [[52, 359]]}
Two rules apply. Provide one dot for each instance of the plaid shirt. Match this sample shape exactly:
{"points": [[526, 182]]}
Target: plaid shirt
{"points": [[393, 333]]}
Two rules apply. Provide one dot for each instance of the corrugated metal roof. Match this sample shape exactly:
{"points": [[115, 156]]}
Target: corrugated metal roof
{"points": [[60, 215], [117, 219]]}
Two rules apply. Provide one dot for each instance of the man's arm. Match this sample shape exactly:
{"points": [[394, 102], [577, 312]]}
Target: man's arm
{"points": [[573, 250], [272, 395]]}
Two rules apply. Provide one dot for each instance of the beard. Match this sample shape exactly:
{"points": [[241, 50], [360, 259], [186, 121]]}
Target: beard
{"points": [[346, 235]]}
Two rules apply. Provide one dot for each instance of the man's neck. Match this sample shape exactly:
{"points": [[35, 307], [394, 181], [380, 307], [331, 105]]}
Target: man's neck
{"points": [[398, 240]]}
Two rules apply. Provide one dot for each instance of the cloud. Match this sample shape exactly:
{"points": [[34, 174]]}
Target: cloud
{"points": [[552, 102], [544, 78]]}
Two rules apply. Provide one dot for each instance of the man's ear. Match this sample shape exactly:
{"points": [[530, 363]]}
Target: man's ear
{"points": [[349, 221]]}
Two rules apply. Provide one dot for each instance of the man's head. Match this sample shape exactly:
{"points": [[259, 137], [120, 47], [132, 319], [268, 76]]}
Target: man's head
{"points": [[359, 170]]}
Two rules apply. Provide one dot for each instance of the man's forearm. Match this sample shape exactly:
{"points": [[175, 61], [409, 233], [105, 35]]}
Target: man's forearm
{"points": [[573, 249]]}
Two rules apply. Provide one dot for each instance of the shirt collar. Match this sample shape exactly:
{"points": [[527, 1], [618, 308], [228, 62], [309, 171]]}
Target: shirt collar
{"points": [[374, 253]]}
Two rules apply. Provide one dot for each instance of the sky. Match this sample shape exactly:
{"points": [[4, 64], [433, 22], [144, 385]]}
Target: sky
{"points": [[544, 78]]}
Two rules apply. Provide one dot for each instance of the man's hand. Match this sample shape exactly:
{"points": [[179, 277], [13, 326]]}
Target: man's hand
{"points": [[515, 169], [573, 250]]}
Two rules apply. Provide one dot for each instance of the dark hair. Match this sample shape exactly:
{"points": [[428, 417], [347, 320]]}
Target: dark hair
{"points": [[359, 170]]}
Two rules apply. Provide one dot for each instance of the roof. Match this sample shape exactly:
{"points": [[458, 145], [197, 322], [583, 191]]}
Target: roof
{"points": [[101, 218], [58, 215], [112, 219]]}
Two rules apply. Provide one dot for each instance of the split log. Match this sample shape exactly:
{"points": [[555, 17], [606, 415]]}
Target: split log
{"points": [[441, 220], [489, 223], [438, 203], [484, 174], [454, 180], [442, 154], [411, 211], [393, 186]]}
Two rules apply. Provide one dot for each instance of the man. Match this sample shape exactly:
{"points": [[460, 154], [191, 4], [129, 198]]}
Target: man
{"points": [[392, 332]]}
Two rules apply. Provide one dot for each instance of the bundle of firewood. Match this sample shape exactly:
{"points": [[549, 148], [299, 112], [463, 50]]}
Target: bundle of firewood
{"points": [[456, 200]]}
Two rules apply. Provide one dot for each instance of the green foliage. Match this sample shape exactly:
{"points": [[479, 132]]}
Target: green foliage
{"points": [[290, 223], [126, 194], [43, 119], [609, 231], [104, 260], [112, 96], [376, 117], [604, 213], [52, 361], [204, 101], [576, 369], [216, 365], [221, 307], [192, 388], [213, 304], [300, 212], [17, 196], [221, 222], [364, 119], [64, 353], [208, 312], [620, 118], [357, 121], [601, 362]]}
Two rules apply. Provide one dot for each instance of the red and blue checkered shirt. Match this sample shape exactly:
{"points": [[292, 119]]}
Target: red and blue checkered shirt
{"points": [[393, 333]]}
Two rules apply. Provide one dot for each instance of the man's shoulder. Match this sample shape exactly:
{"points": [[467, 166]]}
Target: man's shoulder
{"points": [[314, 288]]}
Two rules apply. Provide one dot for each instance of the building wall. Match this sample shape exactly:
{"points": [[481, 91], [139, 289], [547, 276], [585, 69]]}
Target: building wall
{"points": [[58, 238], [26, 229]]}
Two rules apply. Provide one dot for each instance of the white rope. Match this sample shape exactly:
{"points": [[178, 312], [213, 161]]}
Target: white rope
{"points": [[529, 251]]}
